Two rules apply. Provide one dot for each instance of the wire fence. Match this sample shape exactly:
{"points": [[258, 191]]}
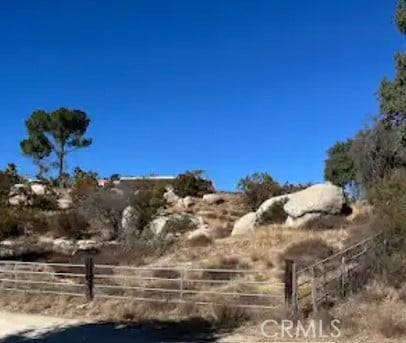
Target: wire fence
{"points": [[232, 287], [301, 290]]}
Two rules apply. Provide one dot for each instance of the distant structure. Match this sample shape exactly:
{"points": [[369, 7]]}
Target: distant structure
{"points": [[103, 182], [140, 182]]}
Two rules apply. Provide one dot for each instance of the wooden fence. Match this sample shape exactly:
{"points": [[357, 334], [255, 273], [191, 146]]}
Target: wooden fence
{"points": [[334, 277]]}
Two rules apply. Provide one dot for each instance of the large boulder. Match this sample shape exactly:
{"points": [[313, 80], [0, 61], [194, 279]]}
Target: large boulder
{"points": [[130, 219], [245, 224], [38, 189], [213, 199], [321, 198], [18, 200], [175, 224], [267, 204]]}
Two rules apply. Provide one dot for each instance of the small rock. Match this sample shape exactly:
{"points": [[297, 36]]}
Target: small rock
{"points": [[213, 199], [171, 197], [64, 245], [87, 244], [65, 203]]}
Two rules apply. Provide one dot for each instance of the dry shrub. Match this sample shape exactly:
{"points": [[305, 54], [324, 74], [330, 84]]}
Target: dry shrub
{"points": [[257, 188], [69, 224], [258, 256], [307, 252], [221, 231], [191, 183], [18, 222], [198, 241], [327, 222], [275, 214], [221, 262], [392, 327]]}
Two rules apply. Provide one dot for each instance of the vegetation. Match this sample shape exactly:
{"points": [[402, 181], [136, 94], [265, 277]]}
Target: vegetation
{"points": [[192, 183], [71, 224], [257, 188], [339, 165], [274, 215], [54, 135]]}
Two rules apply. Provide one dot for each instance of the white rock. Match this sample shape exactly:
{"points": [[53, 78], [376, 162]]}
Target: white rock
{"points": [[17, 200], [87, 244], [187, 202], [160, 224], [8, 243], [245, 224], [213, 199], [38, 189], [171, 197], [65, 203], [270, 202], [130, 218], [64, 245], [196, 234], [320, 198]]}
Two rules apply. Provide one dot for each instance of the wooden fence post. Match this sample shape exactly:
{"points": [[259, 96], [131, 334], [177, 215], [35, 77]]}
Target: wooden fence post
{"points": [[291, 291], [314, 290], [343, 278], [182, 279], [89, 278]]}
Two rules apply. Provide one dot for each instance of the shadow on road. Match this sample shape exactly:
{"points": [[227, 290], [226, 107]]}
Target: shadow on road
{"points": [[193, 330]]}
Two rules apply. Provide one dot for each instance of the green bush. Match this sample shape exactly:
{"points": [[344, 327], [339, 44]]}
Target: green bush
{"points": [[192, 184], [69, 224], [15, 223], [388, 198], [274, 215], [257, 188], [10, 226]]}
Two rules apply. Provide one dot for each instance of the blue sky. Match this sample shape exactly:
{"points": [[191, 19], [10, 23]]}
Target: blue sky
{"points": [[228, 86]]}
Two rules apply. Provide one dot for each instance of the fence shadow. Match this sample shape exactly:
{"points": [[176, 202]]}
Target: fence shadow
{"points": [[193, 330]]}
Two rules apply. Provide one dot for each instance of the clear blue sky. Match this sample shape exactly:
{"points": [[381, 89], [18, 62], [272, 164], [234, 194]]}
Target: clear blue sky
{"points": [[228, 86]]}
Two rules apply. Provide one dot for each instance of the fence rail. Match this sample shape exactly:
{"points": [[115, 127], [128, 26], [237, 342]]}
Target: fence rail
{"points": [[334, 277], [231, 287], [303, 289]]}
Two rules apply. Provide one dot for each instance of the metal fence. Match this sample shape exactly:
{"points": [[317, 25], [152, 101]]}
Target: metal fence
{"points": [[334, 277], [301, 290], [232, 287]]}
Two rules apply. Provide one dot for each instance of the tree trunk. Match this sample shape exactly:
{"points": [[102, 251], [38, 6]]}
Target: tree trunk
{"points": [[61, 158]]}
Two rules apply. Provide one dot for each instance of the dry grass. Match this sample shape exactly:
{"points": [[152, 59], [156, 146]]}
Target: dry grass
{"points": [[198, 241]]}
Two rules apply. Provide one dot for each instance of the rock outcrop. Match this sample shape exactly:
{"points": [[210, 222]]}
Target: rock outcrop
{"points": [[301, 207], [175, 224], [321, 198]]}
